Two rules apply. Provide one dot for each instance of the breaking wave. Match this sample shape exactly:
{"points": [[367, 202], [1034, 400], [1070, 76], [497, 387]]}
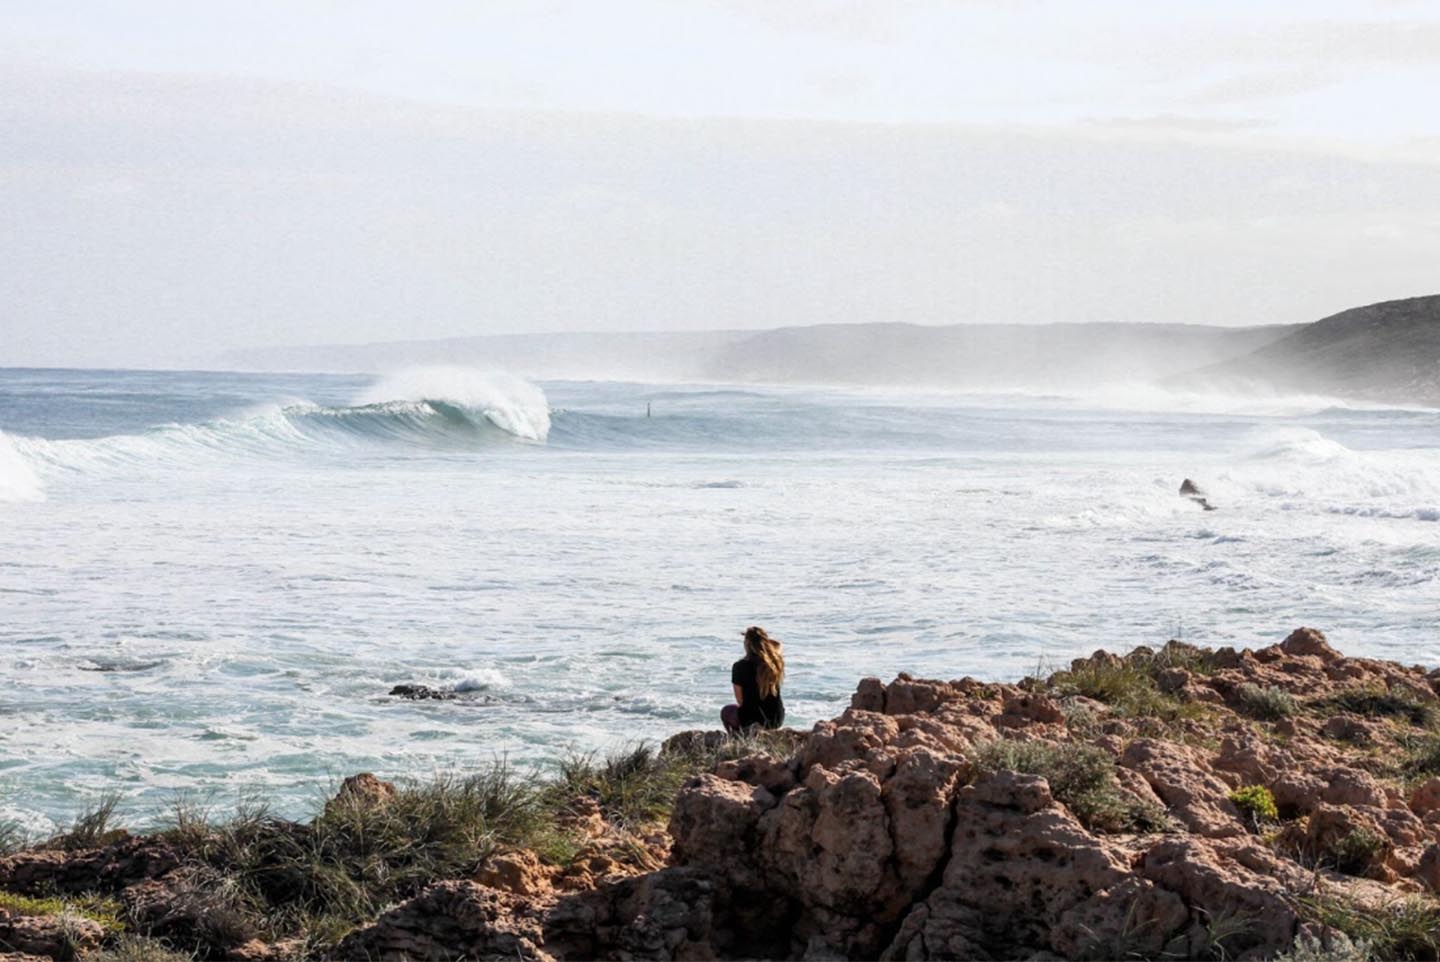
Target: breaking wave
{"points": [[1301, 467], [445, 408]]}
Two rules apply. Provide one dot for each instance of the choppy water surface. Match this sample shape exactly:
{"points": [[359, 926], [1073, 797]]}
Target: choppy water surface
{"points": [[210, 581]]}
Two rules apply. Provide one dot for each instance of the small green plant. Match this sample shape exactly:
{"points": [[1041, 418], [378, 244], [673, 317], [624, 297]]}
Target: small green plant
{"points": [[134, 948], [1359, 852], [1080, 776], [106, 912], [1420, 756], [1257, 803], [1265, 704], [1225, 935]]}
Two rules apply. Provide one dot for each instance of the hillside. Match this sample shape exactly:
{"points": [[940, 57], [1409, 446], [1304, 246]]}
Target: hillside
{"points": [[1381, 352], [982, 356]]}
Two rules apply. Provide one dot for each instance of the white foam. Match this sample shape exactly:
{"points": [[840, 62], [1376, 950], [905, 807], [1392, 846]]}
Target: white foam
{"points": [[1304, 467], [1258, 402], [482, 679], [18, 481], [510, 403]]}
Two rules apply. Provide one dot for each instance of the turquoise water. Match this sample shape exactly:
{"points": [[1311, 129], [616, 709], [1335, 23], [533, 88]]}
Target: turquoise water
{"points": [[208, 582]]}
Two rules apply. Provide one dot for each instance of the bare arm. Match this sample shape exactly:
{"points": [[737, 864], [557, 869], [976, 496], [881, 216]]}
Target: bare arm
{"points": [[739, 694]]}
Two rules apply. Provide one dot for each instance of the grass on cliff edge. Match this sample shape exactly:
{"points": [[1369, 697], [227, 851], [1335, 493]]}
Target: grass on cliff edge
{"points": [[1081, 776], [251, 874], [1406, 928], [1130, 684], [103, 911]]}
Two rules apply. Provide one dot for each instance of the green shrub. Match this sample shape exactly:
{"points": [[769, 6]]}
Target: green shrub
{"points": [[1257, 802], [1080, 776], [92, 828], [1407, 928], [1421, 755], [357, 856], [632, 788], [1380, 703], [1359, 852], [1127, 685], [1265, 704]]}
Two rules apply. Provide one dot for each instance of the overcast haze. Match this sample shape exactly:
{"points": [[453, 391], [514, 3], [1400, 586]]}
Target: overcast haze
{"points": [[181, 179]]}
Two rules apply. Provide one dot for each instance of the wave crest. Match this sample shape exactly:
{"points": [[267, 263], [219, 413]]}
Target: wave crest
{"points": [[512, 404], [445, 408]]}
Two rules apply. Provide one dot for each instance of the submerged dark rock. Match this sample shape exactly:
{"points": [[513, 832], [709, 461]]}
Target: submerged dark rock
{"points": [[422, 693]]}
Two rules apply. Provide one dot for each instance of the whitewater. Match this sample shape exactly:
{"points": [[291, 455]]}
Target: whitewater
{"points": [[209, 582]]}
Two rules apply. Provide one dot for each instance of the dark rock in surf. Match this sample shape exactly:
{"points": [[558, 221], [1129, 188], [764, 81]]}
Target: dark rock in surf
{"points": [[1189, 489], [421, 693]]}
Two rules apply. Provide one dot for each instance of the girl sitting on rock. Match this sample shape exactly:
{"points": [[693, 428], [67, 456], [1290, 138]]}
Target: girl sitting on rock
{"points": [[756, 679]]}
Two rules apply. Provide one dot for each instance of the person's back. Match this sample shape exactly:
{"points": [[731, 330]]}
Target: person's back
{"points": [[755, 708], [756, 680]]}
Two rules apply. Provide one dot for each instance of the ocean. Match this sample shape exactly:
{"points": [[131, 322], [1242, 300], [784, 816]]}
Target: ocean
{"points": [[209, 582]]}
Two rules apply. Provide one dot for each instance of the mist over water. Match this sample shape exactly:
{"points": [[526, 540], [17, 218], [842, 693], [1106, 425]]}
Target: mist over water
{"points": [[210, 581]]}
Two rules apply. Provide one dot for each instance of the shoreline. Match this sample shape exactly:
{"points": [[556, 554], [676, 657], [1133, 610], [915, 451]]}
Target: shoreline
{"points": [[1179, 802]]}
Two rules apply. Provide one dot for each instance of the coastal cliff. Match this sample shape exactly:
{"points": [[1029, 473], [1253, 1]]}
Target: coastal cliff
{"points": [[1387, 353], [1172, 803]]}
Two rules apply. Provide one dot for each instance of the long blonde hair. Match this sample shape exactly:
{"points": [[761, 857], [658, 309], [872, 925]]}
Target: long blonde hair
{"points": [[769, 660]]}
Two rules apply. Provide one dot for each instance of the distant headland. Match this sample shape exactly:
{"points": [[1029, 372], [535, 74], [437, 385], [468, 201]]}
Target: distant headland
{"points": [[1387, 352]]}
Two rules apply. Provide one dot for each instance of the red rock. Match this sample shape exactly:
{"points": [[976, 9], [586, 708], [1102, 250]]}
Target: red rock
{"points": [[1428, 869], [1022, 878], [1217, 887], [452, 920], [519, 873], [1187, 784], [714, 824], [50, 936], [363, 790], [1426, 797]]}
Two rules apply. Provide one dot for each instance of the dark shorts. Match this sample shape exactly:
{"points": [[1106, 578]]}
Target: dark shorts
{"points": [[730, 718]]}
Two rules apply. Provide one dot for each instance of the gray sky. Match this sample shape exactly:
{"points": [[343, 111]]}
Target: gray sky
{"points": [[181, 178]]}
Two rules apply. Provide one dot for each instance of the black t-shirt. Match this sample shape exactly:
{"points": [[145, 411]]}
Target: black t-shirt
{"points": [[754, 710]]}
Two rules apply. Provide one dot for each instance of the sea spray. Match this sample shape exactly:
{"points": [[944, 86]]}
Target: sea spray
{"points": [[18, 481]]}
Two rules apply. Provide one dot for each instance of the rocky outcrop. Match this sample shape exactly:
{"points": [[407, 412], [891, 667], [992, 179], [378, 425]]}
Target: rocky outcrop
{"points": [[897, 838], [48, 936], [107, 870], [962, 819], [1180, 803]]}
